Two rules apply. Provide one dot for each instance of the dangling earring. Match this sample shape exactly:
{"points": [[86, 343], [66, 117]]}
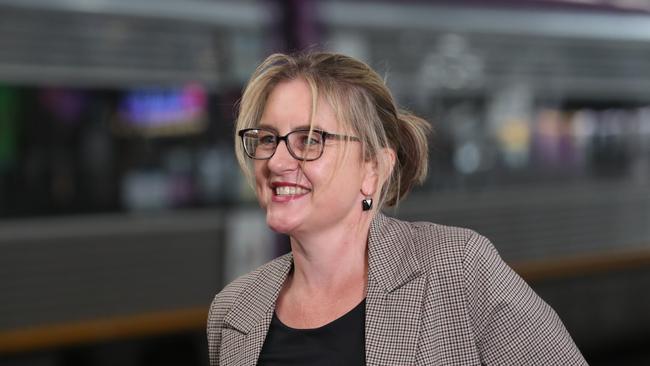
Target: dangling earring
{"points": [[366, 203]]}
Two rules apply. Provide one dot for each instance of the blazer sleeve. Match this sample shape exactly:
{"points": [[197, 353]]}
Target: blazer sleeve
{"points": [[512, 325]]}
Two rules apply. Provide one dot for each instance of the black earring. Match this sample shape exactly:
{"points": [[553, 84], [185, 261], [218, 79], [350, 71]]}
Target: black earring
{"points": [[366, 203]]}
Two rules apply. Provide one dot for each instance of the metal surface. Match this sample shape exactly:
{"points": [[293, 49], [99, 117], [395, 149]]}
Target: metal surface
{"points": [[129, 44], [539, 22], [220, 13], [77, 269], [545, 222]]}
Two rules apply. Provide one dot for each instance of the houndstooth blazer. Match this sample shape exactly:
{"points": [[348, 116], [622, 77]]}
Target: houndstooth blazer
{"points": [[436, 295]]}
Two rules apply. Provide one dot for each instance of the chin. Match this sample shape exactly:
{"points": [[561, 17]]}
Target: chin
{"points": [[281, 223], [281, 227]]}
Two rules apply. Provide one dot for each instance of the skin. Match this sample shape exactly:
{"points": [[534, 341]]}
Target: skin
{"points": [[327, 227]]}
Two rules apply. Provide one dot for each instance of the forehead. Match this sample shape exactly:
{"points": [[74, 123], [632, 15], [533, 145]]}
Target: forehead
{"points": [[289, 107]]}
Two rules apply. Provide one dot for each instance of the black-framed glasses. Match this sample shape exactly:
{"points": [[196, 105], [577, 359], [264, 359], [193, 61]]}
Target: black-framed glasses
{"points": [[303, 144]]}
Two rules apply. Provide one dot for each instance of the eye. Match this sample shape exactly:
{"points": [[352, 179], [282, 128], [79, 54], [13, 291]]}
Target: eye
{"points": [[267, 139], [307, 139]]}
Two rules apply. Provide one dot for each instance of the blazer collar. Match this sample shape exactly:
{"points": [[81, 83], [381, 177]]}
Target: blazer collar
{"points": [[256, 302], [392, 260], [392, 264]]}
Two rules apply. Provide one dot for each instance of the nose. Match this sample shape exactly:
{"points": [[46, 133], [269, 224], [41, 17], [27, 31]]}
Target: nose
{"points": [[282, 160]]}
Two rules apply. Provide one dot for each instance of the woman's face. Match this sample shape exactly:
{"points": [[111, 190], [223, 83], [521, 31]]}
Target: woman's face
{"points": [[314, 196]]}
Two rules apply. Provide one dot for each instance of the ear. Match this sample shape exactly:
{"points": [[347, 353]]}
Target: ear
{"points": [[377, 171]]}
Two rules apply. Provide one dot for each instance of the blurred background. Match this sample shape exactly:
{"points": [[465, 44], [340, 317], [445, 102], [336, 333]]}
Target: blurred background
{"points": [[122, 211]]}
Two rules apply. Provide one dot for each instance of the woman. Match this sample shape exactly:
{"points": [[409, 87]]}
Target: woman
{"points": [[326, 147]]}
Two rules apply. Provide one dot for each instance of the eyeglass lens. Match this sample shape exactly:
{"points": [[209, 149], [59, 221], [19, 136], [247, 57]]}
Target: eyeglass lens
{"points": [[303, 145]]}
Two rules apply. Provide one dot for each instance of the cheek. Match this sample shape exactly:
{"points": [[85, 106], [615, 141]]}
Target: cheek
{"points": [[338, 183], [259, 173]]}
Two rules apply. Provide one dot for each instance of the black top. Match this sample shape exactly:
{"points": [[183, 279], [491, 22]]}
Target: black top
{"points": [[340, 343]]}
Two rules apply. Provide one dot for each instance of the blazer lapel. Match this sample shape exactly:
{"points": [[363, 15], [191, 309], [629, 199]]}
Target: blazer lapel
{"points": [[395, 294], [248, 321]]}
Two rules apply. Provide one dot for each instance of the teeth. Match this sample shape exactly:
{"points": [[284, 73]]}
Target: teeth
{"points": [[289, 191]]}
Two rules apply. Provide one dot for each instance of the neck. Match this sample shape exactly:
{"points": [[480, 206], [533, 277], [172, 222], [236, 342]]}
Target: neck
{"points": [[333, 260]]}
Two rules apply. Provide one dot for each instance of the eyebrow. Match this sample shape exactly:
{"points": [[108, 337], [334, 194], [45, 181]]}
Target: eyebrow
{"points": [[301, 127]]}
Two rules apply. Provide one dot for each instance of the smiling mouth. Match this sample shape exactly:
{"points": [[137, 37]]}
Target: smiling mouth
{"points": [[289, 191]]}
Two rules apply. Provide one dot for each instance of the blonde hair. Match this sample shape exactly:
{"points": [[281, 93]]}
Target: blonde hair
{"points": [[363, 105]]}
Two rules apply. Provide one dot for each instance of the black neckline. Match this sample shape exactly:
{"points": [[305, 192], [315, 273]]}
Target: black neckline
{"points": [[360, 307]]}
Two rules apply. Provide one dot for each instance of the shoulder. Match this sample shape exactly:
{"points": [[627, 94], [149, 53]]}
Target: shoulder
{"points": [[510, 324], [231, 293], [441, 237], [435, 244], [243, 290], [458, 252], [451, 255], [446, 254]]}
